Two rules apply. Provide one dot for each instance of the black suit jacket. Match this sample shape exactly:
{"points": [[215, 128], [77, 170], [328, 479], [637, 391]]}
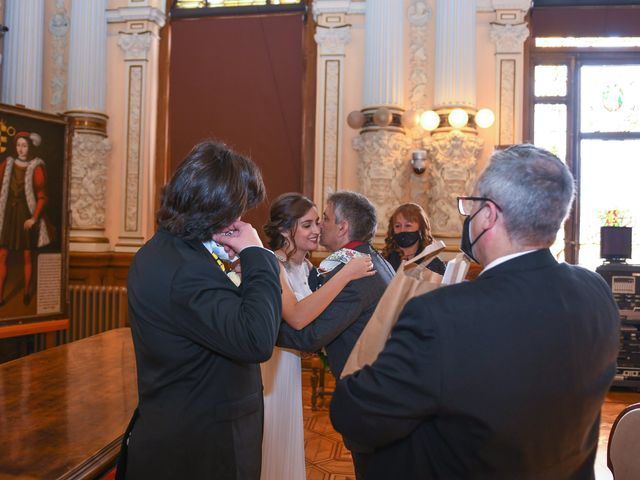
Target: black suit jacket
{"points": [[198, 341], [342, 322], [499, 378]]}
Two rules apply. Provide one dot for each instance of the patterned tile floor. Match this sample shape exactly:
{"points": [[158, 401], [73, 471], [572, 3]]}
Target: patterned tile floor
{"points": [[328, 459], [326, 456]]}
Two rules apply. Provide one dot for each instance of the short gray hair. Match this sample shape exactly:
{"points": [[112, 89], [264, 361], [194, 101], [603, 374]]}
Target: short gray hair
{"points": [[358, 211], [533, 188]]}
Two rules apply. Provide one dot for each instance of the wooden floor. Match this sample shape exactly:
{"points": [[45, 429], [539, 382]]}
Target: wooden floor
{"points": [[328, 459]]}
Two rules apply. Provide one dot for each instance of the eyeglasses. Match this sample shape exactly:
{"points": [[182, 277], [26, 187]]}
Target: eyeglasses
{"points": [[465, 204]]}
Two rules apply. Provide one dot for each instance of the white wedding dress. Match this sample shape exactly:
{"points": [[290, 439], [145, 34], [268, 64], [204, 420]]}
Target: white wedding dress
{"points": [[283, 437]]}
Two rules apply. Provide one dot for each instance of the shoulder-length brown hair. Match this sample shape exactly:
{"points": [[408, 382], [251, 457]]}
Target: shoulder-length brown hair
{"points": [[211, 188], [414, 213], [284, 214]]}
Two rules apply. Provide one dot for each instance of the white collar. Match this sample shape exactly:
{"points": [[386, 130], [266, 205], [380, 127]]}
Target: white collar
{"points": [[505, 258]]}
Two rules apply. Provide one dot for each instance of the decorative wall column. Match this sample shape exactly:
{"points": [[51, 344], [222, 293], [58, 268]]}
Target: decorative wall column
{"points": [[23, 53], [3, 28], [138, 40], [453, 154], [59, 37], [509, 32], [332, 34], [382, 145], [86, 107], [136, 48]]}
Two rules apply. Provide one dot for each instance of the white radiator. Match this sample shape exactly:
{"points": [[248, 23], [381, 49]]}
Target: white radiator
{"points": [[94, 309]]}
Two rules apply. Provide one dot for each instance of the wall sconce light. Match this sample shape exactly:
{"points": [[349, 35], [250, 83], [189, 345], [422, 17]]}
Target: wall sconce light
{"points": [[485, 118], [356, 119], [419, 161], [429, 120], [375, 118], [458, 118]]}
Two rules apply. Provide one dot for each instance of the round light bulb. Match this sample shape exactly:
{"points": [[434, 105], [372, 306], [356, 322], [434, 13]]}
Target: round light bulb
{"points": [[382, 117], [458, 118], [429, 120], [356, 119], [409, 119], [485, 118]]}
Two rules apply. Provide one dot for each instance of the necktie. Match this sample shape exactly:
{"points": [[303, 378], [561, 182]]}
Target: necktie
{"points": [[218, 261]]}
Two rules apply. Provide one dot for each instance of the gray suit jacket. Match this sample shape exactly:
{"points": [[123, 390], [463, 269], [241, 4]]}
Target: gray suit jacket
{"points": [[341, 323]]}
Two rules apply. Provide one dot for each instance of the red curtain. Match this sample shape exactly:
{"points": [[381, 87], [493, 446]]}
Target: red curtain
{"points": [[239, 79]]}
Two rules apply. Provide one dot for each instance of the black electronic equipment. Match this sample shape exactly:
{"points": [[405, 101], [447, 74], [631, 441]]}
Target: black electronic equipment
{"points": [[615, 243], [624, 280]]}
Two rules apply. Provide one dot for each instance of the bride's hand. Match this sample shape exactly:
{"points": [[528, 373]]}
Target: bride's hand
{"points": [[358, 267]]}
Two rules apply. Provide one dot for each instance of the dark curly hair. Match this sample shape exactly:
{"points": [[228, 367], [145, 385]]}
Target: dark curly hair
{"points": [[284, 214], [212, 187], [414, 213]]}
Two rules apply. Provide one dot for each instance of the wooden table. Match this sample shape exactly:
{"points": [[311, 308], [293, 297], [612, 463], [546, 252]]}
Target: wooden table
{"points": [[63, 410], [48, 327]]}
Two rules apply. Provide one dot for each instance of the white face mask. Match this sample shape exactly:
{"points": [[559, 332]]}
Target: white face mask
{"points": [[220, 252]]}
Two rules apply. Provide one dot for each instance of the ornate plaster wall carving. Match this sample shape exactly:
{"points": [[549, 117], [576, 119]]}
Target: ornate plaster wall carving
{"points": [[509, 38], [331, 41], [331, 122], [136, 48], [59, 29], [383, 170], [507, 101], [419, 15], [331, 53], [135, 45], [88, 186], [134, 133], [453, 157]]}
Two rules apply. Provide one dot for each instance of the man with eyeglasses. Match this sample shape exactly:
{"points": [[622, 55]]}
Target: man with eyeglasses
{"points": [[502, 377]]}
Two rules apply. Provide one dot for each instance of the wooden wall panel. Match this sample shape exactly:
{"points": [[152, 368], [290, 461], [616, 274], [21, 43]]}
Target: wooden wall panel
{"points": [[99, 268]]}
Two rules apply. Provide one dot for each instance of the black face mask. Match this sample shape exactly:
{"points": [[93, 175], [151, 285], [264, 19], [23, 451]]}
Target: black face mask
{"points": [[466, 245], [406, 239]]}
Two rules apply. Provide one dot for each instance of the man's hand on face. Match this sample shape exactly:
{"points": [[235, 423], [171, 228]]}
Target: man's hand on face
{"points": [[237, 236]]}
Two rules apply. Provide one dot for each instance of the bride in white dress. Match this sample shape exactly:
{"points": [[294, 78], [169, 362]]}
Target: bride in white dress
{"points": [[293, 231]]}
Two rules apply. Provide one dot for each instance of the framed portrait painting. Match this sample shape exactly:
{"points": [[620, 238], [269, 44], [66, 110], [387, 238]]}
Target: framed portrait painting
{"points": [[33, 215]]}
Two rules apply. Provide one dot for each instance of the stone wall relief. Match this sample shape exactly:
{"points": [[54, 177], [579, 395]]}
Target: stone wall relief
{"points": [[384, 171], [331, 41], [418, 15], [88, 171], [59, 29], [453, 157]]}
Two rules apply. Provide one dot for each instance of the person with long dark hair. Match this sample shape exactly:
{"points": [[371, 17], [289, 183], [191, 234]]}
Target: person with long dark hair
{"points": [[198, 337], [293, 231]]}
